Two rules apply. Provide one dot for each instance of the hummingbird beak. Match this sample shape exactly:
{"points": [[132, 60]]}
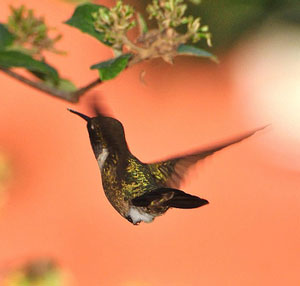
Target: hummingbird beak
{"points": [[85, 117]]}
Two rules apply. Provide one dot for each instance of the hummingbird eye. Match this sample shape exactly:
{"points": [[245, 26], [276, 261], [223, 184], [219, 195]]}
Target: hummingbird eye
{"points": [[92, 126]]}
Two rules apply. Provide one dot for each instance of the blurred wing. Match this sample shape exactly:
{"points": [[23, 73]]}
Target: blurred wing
{"points": [[170, 173]]}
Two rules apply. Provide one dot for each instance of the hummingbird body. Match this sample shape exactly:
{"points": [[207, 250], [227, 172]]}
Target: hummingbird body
{"points": [[120, 188], [140, 191]]}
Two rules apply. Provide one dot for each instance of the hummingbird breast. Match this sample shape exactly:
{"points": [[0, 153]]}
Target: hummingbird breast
{"points": [[124, 179], [136, 215], [112, 182], [102, 157]]}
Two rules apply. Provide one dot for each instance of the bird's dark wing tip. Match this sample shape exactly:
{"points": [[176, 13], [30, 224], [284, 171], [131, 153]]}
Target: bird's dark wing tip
{"points": [[169, 197], [186, 201]]}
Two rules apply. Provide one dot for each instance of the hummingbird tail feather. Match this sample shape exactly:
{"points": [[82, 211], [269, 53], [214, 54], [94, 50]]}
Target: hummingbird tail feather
{"points": [[169, 197], [183, 200]]}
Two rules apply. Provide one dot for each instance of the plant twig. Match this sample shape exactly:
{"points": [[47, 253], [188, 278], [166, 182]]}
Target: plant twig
{"points": [[64, 95], [79, 92]]}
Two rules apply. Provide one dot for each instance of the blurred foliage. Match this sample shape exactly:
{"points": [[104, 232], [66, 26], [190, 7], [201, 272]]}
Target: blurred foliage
{"points": [[229, 20], [23, 40], [43, 272], [167, 28], [164, 39], [167, 39], [31, 32], [173, 28], [25, 37], [5, 174]]}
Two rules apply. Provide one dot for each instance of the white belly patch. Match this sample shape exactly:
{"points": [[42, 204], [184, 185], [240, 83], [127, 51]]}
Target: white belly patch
{"points": [[102, 157], [138, 216]]}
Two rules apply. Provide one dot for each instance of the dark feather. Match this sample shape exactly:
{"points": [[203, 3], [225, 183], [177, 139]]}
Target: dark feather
{"points": [[169, 198]]}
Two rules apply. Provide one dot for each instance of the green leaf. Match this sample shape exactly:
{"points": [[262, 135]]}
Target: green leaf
{"points": [[66, 85], [111, 68], [82, 19], [194, 51], [195, 2], [63, 84], [50, 278], [10, 59], [39, 75], [6, 37], [142, 24]]}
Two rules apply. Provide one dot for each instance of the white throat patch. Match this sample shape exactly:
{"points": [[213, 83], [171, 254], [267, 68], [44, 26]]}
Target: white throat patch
{"points": [[138, 216], [102, 157]]}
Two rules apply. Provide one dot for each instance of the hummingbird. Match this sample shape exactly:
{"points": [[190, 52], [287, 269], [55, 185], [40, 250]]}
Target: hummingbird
{"points": [[140, 191]]}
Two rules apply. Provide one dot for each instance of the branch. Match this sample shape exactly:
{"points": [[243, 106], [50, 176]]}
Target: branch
{"points": [[79, 92], [64, 95]]}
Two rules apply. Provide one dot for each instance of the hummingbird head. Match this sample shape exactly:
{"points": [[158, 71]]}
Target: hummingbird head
{"points": [[104, 132]]}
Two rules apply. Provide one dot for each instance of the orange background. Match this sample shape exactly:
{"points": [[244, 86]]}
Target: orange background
{"points": [[249, 233]]}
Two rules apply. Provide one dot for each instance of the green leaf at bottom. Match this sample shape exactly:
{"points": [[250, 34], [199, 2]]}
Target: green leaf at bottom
{"points": [[9, 59], [111, 68], [6, 37], [194, 51], [63, 84]]}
